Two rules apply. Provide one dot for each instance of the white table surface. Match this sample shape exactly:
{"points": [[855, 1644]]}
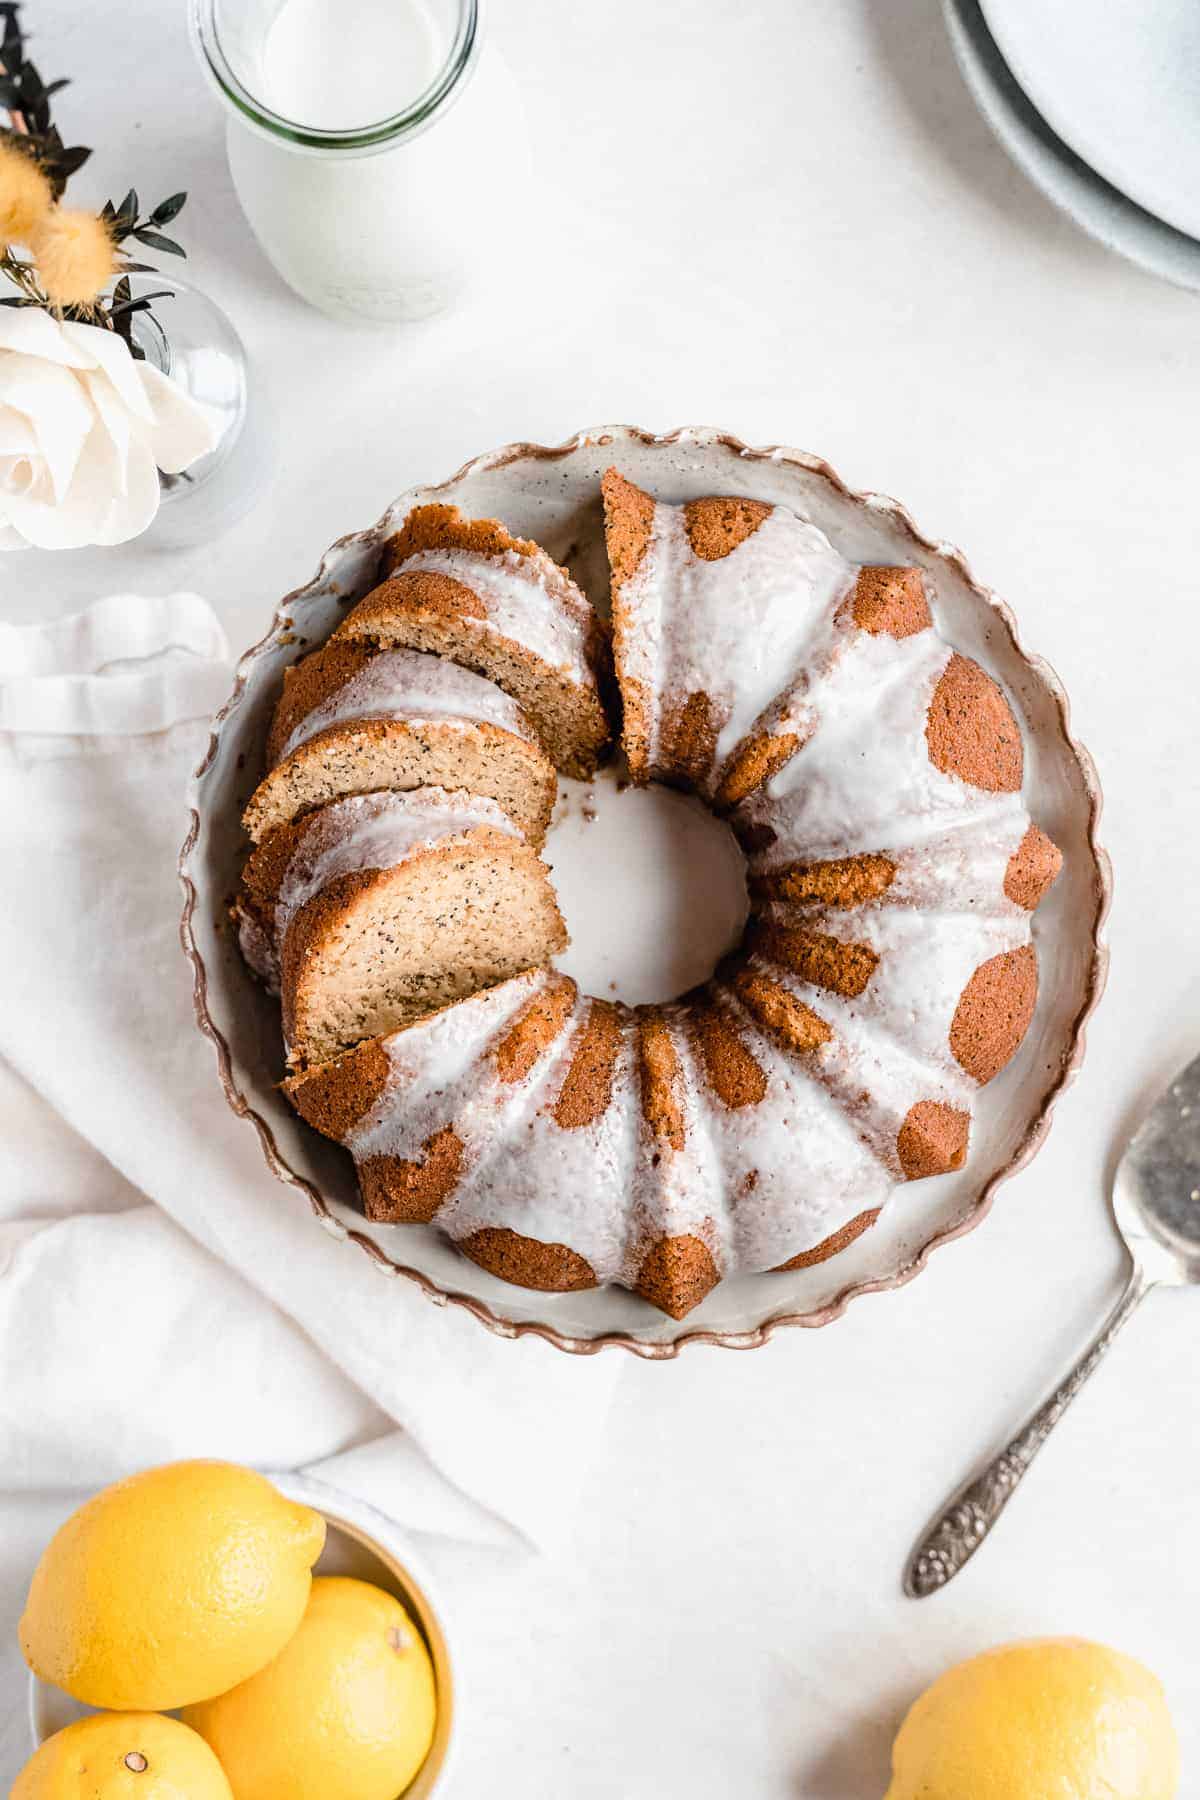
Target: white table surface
{"points": [[788, 220]]}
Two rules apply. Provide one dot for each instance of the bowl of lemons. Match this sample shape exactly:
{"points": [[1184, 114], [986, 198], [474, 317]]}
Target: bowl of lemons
{"points": [[199, 1629]]}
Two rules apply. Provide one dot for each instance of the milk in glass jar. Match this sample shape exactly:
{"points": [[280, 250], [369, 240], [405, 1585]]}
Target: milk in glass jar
{"points": [[373, 145]]}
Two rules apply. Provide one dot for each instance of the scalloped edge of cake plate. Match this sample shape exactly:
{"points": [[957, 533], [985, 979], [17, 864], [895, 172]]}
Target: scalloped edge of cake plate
{"points": [[552, 493]]}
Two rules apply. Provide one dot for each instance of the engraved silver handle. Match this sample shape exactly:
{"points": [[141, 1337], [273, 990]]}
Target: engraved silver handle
{"points": [[970, 1516]]}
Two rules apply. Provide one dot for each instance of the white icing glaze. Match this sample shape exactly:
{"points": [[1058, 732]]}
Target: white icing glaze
{"points": [[736, 629], [925, 962], [864, 1057], [794, 1166], [864, 779], [396, 684], [680, 1192], [526, 601], [559, 1184]]}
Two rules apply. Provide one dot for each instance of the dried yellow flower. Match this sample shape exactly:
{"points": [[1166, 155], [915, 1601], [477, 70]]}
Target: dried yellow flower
{"points": [[75, 256], [25, 195]]}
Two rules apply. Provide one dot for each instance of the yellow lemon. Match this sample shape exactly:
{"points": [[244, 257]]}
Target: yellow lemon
{"points": [[169, 1587], [346, 1709], [123, 1756], [1053, 1719]]}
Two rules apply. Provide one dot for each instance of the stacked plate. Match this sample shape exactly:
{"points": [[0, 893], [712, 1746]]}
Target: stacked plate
{"points": [[1100, 105]]}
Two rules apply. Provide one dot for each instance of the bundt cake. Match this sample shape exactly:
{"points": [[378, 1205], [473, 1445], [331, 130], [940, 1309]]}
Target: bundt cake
{"points": [[872, 776]]}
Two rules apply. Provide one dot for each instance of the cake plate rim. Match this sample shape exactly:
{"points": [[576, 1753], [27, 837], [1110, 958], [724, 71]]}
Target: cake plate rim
{"points": [[489, 1315]]}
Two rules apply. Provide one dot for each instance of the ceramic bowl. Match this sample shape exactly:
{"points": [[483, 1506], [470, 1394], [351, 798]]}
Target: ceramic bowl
{"points": [[553, 494], [363, 1543]]}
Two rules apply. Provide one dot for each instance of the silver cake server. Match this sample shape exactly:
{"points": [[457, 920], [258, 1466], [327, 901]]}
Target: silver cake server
{"points": [[1156, 1203]]}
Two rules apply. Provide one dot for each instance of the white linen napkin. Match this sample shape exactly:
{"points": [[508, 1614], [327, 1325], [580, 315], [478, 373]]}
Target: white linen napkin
{"points": [[161, 1295]]}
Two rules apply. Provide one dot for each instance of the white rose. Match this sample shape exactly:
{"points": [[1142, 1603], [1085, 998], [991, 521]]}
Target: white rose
{"points": [[84, 430]]}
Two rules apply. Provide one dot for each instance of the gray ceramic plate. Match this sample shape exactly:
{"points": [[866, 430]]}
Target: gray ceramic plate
{"points": [[553, 494], [1120, 83], [1098, 208]]}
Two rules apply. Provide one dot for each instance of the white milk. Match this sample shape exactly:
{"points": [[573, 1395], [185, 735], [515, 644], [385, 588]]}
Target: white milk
{"points": [[393, 222], [340, 67]]}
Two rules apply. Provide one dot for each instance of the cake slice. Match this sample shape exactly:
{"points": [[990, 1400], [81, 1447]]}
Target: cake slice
{"points": [[375, 909], [469, 591], [351, 720]]}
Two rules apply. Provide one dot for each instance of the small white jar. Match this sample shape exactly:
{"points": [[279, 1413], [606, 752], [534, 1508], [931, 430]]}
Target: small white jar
{"points": [[387, 218]]}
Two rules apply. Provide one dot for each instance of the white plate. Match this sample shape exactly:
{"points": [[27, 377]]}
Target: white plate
{"points": [[1119, 81], [1100, 209], [553, 495], [361, 1542]]}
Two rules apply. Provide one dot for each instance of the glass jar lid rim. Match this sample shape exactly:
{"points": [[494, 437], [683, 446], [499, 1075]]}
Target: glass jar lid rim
{"points": [[406, 121]]}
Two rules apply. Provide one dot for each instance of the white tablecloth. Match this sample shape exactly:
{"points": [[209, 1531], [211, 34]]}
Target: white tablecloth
{"points": [[789, 222]]}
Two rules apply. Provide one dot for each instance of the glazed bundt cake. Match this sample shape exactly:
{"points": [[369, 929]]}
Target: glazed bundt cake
{"points": [[872, 776]]}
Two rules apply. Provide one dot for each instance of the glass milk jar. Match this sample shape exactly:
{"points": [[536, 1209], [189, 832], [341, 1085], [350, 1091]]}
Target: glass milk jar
{"points": [[373, 145]]}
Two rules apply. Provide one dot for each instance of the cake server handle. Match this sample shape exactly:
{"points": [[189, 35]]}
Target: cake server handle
{"points": [[959, 1531]]}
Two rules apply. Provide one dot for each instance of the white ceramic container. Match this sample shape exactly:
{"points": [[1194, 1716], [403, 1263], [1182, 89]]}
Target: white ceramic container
{"points": [[363, 1543]]}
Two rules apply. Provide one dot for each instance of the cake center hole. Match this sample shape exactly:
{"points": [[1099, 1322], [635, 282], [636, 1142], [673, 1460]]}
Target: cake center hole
{"points": [[652, 887]]}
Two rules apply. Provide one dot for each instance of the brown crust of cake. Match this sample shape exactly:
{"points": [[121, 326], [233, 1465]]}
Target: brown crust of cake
{"points": [[1033, 869], [753, 764], [332, 1097], [842, 882], [265, 868], [586, 1091], [729, 1067], [660, 1078], [840, 1240], [534, 1029], [635, 719], [824, 961], [628, 526], [971, 732], [676, 1274], [308, 684], [933, 1139], [717, 524], [439, 527], [396, 1191], [994, 1011], [782, 1014], [527, 1262], [411, 591], [890, 602], [687, 741]]}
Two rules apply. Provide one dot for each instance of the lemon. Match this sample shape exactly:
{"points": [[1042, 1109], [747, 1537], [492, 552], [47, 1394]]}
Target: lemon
{"points": [[346, 1709], [1053, 1719], [170, 1586], [123, 1756]]}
